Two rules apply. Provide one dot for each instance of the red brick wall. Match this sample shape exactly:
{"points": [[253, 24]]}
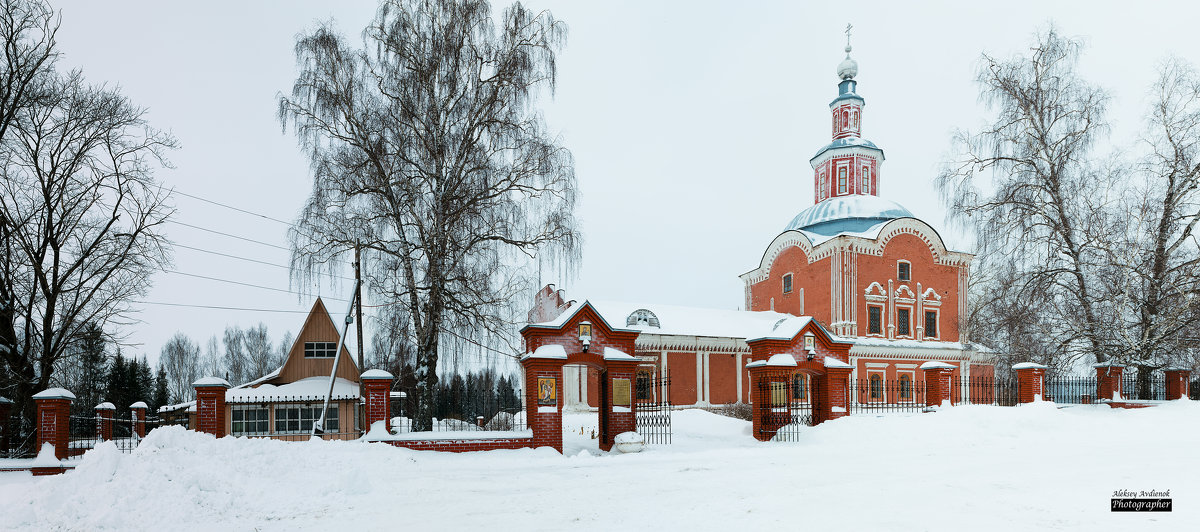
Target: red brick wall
{"points": [[210, 410], [54, 424], [463, 446], [813, 278], [378, 401], [682, 366], [943, 279], [722, 376]]}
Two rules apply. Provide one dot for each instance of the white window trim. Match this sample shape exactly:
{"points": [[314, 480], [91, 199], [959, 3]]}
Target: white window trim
{"points": [[843, 184], [882, 325], [937, 323], [898, 263], [883, 391], [898, 322]]}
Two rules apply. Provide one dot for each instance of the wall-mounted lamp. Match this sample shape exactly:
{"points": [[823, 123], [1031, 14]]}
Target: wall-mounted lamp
{"points": [[585, 334], [810, 345]]}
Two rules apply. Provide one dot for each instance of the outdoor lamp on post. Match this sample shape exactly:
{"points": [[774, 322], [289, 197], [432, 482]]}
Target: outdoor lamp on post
{"points": [[585, 334], [810, 345]]}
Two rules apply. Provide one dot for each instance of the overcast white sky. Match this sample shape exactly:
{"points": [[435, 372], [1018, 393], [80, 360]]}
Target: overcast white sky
{"points": [[691, 123]]}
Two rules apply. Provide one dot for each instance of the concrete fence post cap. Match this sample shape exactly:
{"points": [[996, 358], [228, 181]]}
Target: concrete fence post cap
{"points": [[1029, 365], [106, 406], [934, 364], [54, 393], [375, 374], [5, 401], [1109, 364], [139, 404], [1175, 368], [211, 381]]}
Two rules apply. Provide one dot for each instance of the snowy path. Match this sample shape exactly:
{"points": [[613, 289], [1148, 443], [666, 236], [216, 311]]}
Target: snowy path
{"points": [[967, 468]]}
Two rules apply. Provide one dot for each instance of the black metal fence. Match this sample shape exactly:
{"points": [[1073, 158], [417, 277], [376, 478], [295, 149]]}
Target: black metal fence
{"points": [[786, 408], [85, 433], [501, 421], [983, 391], [17, 438], [653, 407], [877, 395]]}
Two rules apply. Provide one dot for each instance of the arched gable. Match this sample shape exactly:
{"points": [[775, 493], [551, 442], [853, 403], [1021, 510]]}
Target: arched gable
{"points": [[782, 242], [923, 231]]}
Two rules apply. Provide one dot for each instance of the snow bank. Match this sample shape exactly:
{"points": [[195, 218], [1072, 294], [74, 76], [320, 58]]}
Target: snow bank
{"points": [[989, 468]]}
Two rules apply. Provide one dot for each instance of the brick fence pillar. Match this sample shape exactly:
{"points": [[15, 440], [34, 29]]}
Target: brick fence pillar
{"points": [[1108, 381], [1031, 380], [104, 420], [210, 405], [5, 408], [377, 385], [137, 416], [937, 382], [621, 418], [54, 419], [543, 398], [1177, 382], [835, 389]]}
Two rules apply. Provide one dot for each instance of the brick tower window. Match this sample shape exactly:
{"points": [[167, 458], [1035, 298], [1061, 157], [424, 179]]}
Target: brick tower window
{"points": [[842, 180]]}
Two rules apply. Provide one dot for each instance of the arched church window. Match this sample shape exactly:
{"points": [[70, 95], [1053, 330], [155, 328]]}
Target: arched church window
{"points": [[642, 317], [643, 385], [855, 124], [845, 120], [799, 387], [905, 386], [876, 386]]}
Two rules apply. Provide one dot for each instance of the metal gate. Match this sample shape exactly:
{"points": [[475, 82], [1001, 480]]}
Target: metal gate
{"points": [[653, 413], [785, 407]]}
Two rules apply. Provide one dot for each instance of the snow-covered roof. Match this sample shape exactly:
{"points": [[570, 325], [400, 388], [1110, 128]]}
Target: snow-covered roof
{"points": [[934, 364], [5, 400], [547, 351], [907, 343], [831, 362], [106, 406], [261, 380], [190, 406], [678, 320], [849, 142], [616, 354], [1109, 364], [376, 374], [1029, 365], [139, 404], [785, 328], [211, 381], [303, 389], [857, 213], [781, 359], [54, 393]]}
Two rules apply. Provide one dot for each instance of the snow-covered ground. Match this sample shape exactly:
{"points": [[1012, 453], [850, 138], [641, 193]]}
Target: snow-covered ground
{"points": [[963, 468]]}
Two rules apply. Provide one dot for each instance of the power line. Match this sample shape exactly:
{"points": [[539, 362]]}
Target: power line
{"points": [[176, 244], [220, 307], [219, 204], [176, 222], [177, 272]]}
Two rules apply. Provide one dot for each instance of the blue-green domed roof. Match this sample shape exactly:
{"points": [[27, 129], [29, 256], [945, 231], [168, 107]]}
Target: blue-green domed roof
{"points": [[847, 214]]}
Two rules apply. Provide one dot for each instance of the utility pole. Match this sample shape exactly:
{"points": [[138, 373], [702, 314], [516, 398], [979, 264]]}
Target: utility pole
{"points": [[358, 302], [358, 326]]}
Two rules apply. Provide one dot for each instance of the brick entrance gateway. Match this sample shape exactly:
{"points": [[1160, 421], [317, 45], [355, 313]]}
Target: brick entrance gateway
{"points": [[581, 337]]}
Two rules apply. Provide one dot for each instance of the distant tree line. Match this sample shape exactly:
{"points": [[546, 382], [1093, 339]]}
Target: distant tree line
{"points": [[238, 356], [95, 376]]}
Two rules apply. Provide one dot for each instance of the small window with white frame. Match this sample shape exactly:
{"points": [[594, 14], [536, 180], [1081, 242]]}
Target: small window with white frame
{"points": [[787, 283], [248, 420], [931, 324], [874, 319], [903, 321], [842, 180], [903, 270], [866, 180], [320, 349]]}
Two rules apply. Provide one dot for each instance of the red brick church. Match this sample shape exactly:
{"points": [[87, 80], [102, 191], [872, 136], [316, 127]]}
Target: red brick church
{"points": [[863, 267]]}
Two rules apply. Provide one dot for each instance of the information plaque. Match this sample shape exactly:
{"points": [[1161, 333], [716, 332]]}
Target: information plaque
{"points": [[620, 392]]}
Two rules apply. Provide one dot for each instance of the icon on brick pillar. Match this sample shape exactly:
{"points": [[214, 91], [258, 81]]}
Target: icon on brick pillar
{"points": [[546, 395], [585, 334]]}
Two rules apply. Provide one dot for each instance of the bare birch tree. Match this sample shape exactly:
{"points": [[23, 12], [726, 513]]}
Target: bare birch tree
{"points": [[1026, 184], [427, 150], [180, 356]]}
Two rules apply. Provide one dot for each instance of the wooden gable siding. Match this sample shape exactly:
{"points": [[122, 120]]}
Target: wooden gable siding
{"points": [[318, 327]]}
